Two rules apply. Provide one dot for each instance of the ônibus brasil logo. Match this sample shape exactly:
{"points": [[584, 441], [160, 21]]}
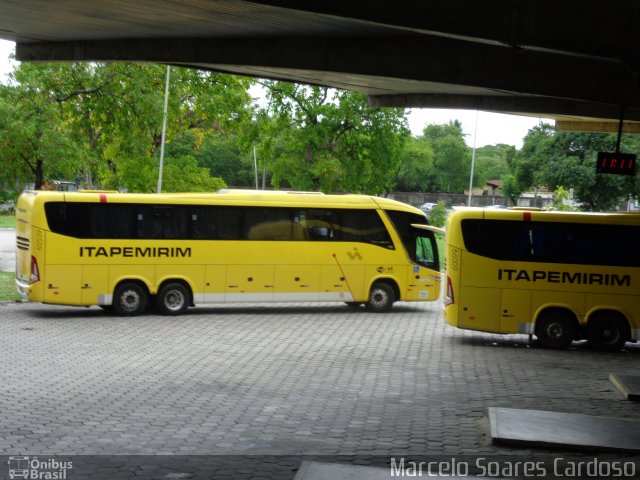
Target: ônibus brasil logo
{"points": [[35, 469]]}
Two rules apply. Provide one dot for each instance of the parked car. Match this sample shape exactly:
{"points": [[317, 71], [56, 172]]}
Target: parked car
{"points": [[426, 207]]}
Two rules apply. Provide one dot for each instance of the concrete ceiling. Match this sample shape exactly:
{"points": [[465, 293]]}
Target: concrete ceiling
{"points": [[570, 60]]}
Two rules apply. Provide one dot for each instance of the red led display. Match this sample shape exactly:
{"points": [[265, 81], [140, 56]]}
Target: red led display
{"points": [[618, 163]]}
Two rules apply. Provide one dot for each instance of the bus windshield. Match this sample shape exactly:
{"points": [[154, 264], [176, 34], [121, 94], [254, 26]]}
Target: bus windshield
{"points": [[419, 244]]}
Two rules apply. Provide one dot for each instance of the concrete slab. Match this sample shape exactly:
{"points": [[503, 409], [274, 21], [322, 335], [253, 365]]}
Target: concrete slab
{"points": [[628, 385], [310, 470], [334, 471], [537, 428]]}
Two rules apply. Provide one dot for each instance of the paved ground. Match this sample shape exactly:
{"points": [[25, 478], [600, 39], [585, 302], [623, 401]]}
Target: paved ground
{"points": [[262, 387]]}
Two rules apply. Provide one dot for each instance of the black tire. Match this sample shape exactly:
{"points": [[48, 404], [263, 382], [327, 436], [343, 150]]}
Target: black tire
{"points": [[381, 297], [172, 299], [608, 332], [130, 299], [556, 329]]}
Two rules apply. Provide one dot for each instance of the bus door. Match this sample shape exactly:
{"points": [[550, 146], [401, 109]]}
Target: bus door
{"points": [[423, 282]]}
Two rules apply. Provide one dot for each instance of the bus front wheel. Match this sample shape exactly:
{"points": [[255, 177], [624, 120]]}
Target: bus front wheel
{"points": [[172, 299], [608, 332], [129, 299], [381, 297], [556, 330]]}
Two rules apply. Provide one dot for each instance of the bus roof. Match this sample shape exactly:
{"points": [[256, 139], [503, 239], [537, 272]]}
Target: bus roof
{"points": [[537, 215], [230, 197]]}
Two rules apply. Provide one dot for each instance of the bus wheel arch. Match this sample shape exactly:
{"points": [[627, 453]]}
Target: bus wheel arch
{"points": [[382, 295], [174, 297], [130, 298], [608, 330], [556, 327]]}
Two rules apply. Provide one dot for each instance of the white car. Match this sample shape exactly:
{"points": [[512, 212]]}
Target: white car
{"points": [[426, 207]]}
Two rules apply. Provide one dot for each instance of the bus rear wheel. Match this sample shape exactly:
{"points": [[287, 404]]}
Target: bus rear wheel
{"points": [[556, 329], [381, 297], [172, 299], [608, 332], [129, 299]]}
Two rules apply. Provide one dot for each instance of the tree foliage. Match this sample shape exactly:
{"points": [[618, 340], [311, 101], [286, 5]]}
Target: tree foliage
{"points": [[102, 122], [492, 162], [331, 140], [452, 157], [554, 159], [416, 165]]}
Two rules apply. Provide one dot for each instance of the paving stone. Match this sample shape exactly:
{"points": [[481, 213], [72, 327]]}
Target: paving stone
{"points": [[277, 380]]}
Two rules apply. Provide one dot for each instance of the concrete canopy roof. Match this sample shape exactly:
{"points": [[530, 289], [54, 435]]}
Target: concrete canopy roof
{"points": [[569, 60]]}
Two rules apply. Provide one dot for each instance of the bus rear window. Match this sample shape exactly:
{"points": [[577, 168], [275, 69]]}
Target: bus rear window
{"points": [[553, 242]]}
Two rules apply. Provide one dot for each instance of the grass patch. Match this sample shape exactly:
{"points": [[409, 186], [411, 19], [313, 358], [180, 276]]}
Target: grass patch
{"points": [[7, 221], [8, 292]]}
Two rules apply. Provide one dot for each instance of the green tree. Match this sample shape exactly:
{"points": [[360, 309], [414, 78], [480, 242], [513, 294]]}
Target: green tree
{"points": [[199, 103], [565, 159], [511, 189], [537, 145], [560, 197], [438, 214], [223, 157], [416, 166], [331, 140], [492, 162], [36, 138], [452, 157], [103, 121]]}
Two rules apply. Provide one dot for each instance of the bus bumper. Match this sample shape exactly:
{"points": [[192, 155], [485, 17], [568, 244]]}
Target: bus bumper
{"points": [[23, 289]]}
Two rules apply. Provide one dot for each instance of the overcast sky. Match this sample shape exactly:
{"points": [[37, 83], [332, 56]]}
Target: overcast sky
{"points": [[492, 128]]}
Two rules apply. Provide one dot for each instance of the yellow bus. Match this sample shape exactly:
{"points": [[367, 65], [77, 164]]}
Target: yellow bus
{"points": [[560, 276], [171, 251]]}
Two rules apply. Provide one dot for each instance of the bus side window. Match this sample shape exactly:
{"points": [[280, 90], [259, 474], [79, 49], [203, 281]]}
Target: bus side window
{"points": [[316, 224], [111, 221], [228, 223], [267, 224], [160, 221], [71, 219], [364, 226]]}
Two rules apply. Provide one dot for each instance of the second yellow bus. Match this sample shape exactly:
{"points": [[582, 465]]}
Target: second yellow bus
{"points": [[560, 276]]}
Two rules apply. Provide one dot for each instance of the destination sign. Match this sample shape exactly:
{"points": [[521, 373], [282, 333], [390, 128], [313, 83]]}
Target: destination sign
{"points": [[616, 163]]}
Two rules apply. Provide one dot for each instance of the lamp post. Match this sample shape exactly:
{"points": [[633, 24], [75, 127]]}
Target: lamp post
{"points": [[164, 129], [473, 161], [255, 165]]}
